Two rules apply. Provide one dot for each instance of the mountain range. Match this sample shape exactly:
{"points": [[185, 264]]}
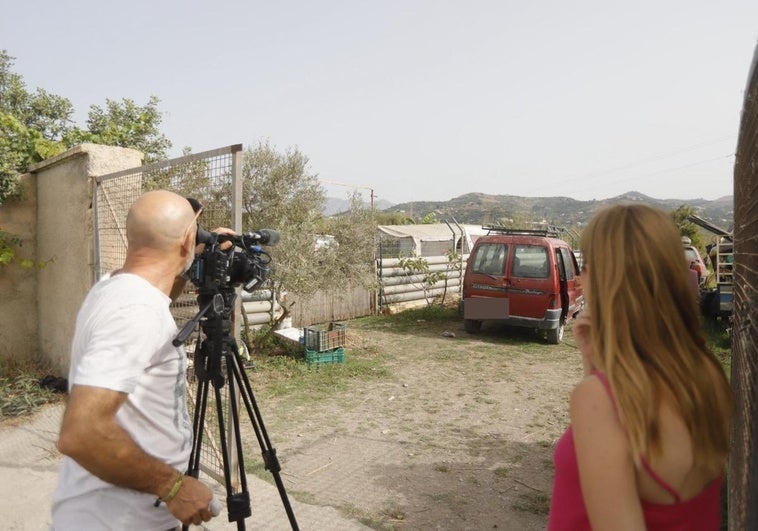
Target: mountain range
{"points": [[477, 208]]}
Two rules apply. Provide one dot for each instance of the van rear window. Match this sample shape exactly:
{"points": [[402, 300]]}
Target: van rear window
{"points": [[530, 261], [489, 259]]}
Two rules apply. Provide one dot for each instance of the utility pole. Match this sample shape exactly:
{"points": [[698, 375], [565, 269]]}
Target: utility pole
{"points": [[371, 190]]}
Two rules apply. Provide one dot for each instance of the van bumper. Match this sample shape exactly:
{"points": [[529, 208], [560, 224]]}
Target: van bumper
{"points": [[551, 321]]}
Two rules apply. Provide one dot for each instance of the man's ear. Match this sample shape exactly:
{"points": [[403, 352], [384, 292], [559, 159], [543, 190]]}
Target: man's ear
{"points": [[188, 244]]}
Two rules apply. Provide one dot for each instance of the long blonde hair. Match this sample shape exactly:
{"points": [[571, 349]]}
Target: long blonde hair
{"points": [[646, 333]]}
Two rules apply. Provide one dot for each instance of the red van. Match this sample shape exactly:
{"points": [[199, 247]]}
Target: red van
{"points": [[524, 278]]}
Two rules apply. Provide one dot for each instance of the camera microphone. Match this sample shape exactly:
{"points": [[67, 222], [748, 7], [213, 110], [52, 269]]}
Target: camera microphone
{"points": [[262, 237]]}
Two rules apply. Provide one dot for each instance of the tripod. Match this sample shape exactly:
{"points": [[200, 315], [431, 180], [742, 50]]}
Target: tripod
{"points": [[218, 354]]}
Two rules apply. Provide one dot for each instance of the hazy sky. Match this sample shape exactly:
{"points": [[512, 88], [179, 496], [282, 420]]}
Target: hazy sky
{"points": [[422, 100]]}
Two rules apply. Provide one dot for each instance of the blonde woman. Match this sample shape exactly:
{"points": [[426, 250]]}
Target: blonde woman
{"points": [[649, 433]]}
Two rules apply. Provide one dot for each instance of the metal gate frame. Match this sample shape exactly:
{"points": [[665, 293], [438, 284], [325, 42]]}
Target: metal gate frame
{"points": [[113, 194]]}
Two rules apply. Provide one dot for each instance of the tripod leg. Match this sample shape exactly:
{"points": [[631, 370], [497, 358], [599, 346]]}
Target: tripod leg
{"points": [[269, 453], [201, 403], [237, 503]]}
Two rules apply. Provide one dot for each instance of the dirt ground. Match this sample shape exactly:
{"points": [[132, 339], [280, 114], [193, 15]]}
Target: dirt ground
{"points": [[457, 434]]}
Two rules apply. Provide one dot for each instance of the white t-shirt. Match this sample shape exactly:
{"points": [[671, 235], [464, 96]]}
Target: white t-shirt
{"points": [[122, 342]]}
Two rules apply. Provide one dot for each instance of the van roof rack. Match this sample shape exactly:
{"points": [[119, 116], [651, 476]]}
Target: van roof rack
{"points": [[549, 231]]}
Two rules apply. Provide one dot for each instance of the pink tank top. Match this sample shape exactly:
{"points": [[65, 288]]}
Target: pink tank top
{"points": [[567, 510]]}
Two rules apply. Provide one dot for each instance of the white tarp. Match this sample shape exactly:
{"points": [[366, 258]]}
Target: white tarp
{"points": [[432, 232]]}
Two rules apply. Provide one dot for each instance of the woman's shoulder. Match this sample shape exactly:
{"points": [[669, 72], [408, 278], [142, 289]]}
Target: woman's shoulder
{"points": [[592, 396]]}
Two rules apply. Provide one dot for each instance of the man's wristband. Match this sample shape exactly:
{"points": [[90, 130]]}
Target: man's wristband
{"points": [[174, 490]]}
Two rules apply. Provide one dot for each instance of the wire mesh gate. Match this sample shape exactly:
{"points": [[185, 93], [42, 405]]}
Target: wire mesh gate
{"points": [[212, 177]]}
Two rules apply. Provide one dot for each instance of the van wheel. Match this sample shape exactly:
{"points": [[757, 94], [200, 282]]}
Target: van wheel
{"points": [[472, 326], [555, 335]]}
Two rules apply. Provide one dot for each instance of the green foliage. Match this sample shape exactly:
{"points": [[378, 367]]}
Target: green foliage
{"points": [[719, 342], [40, 111], [279, 187], [31, 126], [418, 266], [429, 218], [314, 253], [302, 383], [279, 192], [350, 259], [125, 124], [686, 228], [9, 244], [37, 125], [20, 147]]}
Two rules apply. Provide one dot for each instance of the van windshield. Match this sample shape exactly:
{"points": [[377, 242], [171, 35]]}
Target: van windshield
{"points": [[490, 259], [530, 261]]}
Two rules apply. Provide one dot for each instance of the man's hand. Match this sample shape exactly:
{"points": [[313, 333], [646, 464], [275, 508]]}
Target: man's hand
{"points": [[229, 232], [192, 504]]}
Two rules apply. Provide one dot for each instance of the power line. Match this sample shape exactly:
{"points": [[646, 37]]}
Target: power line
{"points": [[602, 173], [667, 170]]}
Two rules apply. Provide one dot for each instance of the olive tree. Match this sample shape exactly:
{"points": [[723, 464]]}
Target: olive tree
{"points": [[280, 192]]}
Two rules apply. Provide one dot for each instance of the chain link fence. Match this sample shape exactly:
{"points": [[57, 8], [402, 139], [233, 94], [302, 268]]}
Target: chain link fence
{"points": [[214, 179]]}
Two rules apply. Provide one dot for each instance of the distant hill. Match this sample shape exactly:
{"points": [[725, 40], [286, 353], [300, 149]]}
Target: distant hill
{"points": [[335, 205], [479, 208]]}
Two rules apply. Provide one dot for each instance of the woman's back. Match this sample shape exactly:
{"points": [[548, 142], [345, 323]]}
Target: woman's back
{"points": [[673, 492], [675, 465]]}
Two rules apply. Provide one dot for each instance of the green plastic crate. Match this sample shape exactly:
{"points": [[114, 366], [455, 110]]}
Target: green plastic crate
{"points": [[336, 355]]}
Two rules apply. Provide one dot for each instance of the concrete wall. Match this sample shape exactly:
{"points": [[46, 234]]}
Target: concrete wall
{"points": [[63, 236], [18, 286]]}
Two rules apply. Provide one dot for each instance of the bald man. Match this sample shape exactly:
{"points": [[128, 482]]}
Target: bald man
{"points": [[126, 434]]}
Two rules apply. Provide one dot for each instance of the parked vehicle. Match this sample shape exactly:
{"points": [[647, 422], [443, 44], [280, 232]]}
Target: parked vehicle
{"points": [[718, 301], [694, 260], [524, 278]]}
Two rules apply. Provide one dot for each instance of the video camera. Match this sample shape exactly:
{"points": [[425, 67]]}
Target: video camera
{"points": [[243, 263]]}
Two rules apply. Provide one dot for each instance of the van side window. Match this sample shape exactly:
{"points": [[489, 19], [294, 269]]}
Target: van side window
{"points": [[530, 261], [561, 265], [568, 263], [490, 258]]}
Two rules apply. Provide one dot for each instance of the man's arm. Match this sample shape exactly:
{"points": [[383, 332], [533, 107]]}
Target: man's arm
{"points": [[91, 436]]}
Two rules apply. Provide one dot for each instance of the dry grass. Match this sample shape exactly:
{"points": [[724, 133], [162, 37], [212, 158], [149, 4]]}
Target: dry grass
{"points": [[20, 392]]}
